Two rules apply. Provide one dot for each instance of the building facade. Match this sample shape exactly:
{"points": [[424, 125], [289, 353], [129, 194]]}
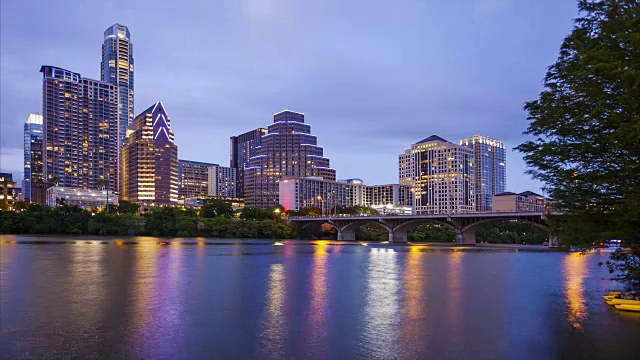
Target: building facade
{"points": [[287, 150], [32, 154], [490, 159], [80, 130], [441, 175], [150, 160], [222, 181], [297, 193], [193, 178], [243, 148], [84, 198], [117, 69], [524, 202], [7, 186]]}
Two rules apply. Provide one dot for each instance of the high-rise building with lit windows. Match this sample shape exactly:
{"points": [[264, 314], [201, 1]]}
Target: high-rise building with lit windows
{"points": [[193, 178], [490, 158], [117, 69], [243, 147], [32, 154], [222, 181], [80, 130], [287, 150], [441, 174], [150, 160]]}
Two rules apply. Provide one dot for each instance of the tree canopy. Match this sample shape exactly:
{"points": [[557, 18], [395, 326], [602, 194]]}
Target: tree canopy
{"points": [[586, 124]]}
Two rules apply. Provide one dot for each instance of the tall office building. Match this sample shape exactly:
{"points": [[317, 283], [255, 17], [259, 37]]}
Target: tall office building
{"points": [[490, 158], [243, 147], [32, 154], [150, 160], [441, 174], [193, 178], [80, 132], [117, 69], [222, 181], [287, 150]]}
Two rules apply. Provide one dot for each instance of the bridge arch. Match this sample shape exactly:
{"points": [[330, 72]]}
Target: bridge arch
{"points": [[348, 231], [467, 234], [399, 232], [313, 228]]}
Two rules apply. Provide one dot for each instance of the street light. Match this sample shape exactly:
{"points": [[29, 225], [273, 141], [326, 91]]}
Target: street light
{"points": [[321, 205]]}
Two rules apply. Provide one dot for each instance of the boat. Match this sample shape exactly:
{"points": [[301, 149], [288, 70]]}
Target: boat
{"points": [[612, 295], [617, 301], [628, 307]]}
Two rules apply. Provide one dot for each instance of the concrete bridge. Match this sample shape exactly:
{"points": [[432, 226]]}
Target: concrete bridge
{"points": [[465, 224]]}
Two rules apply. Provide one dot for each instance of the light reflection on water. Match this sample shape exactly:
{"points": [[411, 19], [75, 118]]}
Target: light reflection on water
{"points": [[575, 271], [316, 328], [381, 307], [274, 329], [302, 300]]}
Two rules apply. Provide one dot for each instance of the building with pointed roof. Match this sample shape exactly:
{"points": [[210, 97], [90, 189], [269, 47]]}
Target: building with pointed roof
{"points": [[441, 176], [149, 173], [287, 150]]}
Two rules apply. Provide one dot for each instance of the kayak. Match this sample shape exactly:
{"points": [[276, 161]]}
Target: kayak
{"points": [[612, 295], [623, 302], [628, 307]]}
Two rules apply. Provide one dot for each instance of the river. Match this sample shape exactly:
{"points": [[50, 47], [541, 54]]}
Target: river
{"points": [[146, 298]]}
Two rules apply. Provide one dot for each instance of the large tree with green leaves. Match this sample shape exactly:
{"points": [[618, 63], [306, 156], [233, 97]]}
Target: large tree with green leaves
{"points": [[586, 125]]}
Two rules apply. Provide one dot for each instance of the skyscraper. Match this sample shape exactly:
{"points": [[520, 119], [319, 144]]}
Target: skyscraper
{"points": [[80, 132], [243, 147], [150, 160], [490, 160], [222, 181], [287, 150], [117, 69], [442, 176], [32, 147]]}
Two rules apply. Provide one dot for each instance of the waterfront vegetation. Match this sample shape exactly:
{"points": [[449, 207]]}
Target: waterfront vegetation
{"points": [[586, 129], [215, 219], [218, 219]]}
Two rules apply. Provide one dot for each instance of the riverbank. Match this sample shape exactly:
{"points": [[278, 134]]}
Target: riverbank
{"points": [[201, 241]]}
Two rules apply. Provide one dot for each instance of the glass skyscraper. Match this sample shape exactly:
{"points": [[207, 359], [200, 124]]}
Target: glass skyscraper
{"points": [[32, 144], [490, 160], [117, 69], [243, 147], [287, 150]]}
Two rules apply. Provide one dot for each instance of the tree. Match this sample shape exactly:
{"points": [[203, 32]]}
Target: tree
{"points": [[586, 125], [216, 207], [126, 207], [20, 206]]}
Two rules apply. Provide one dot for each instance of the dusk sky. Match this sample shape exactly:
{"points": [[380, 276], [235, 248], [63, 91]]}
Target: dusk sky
{"points": [[372, 77]]}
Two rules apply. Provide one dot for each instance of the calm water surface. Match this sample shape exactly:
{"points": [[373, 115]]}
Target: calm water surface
{"points": [[321, 300]]}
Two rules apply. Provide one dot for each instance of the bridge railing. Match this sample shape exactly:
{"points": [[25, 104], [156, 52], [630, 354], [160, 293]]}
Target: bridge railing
{"points": [[418, 215]]}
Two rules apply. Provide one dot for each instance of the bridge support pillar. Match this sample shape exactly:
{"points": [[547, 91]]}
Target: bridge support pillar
{"points": [[397, 236], [467, 236], [553, 241], [346, 234]]}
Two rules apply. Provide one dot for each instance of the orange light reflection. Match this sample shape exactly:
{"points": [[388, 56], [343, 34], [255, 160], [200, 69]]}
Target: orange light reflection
{"points": [[575, 270]]}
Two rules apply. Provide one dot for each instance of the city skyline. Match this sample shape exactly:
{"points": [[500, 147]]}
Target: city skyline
{"points": [[344, 126]]}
